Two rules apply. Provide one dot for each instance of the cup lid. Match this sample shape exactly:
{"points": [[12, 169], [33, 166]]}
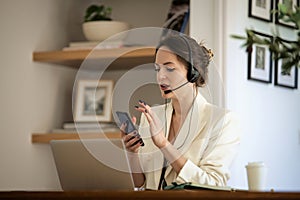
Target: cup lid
{"points": [[255, 164]]}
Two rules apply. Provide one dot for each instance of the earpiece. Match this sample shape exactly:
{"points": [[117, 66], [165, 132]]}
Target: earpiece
{"points": [[193, 73]]}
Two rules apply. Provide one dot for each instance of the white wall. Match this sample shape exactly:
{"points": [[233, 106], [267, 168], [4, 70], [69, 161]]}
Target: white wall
{"points": [[34, 96], [206, 28], [270, 115]]}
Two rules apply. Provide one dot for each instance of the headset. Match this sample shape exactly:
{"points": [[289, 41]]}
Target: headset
{"points": [[193, 73]]}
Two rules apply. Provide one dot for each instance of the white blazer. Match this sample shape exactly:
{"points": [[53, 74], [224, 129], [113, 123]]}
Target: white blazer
{"points": [[208, 139]]}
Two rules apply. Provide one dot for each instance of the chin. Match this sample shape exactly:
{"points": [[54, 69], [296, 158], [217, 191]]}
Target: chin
{"points": [[166, 96]]}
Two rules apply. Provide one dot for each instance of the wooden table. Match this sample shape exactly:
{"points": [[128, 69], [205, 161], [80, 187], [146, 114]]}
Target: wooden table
{"points": [[144, 195]]}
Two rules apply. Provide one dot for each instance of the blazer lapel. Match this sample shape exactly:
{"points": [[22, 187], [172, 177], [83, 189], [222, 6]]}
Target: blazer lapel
{"points": [[165, 115], [192, 127]]}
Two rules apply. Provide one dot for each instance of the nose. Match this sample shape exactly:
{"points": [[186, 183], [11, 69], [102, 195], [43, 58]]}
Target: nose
{"points": [[161, 75]]}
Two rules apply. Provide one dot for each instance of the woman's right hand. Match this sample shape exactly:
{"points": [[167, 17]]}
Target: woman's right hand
{"points": [[131, 140]]}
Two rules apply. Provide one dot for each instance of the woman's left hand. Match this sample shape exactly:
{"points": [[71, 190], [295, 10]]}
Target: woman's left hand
{"points": [[156, 127]]}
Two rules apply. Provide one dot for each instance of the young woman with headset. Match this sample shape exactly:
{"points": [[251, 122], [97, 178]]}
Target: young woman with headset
{"points": [[187, 139]]}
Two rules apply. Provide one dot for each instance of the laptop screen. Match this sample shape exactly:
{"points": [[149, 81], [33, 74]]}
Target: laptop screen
{"points": [[92, 164]]}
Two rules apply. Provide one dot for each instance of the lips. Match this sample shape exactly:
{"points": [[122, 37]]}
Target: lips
{"points": [[164, 87]]}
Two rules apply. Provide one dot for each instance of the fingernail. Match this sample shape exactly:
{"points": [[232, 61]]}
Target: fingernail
{"points": [[143, 102], [136, 106], [132, 137], [146, 111]]}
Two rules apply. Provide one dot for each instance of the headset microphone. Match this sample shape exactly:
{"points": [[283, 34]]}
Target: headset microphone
{"points": [[169, 91]]}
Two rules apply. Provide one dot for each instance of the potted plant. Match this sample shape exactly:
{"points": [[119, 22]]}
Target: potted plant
{"points": [[98, 24]]}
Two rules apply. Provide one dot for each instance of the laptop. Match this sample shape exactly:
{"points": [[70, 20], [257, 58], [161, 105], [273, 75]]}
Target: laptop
{"points": [[92, 164]]}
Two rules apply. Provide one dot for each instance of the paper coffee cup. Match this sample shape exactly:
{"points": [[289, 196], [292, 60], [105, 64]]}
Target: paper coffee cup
{"points": [[256, 175]]}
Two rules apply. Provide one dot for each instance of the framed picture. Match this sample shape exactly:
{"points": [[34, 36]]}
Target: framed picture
{"points": [[93, 101], [260, 61], [290, 4], [261, 9], [289, 80]]}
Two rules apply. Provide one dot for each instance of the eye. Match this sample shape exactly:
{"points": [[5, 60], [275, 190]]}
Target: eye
{"points": [[170, 69], [157, 67]]}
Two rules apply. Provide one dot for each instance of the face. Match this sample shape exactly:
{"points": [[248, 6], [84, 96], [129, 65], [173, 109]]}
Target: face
{"points": [[171, 72]]}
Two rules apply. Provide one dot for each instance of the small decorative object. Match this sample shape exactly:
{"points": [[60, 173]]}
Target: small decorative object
{"points": [[178, 16], [98, 25], [261, 9], [290, 6], [93, 102], [260, 61], [288, 79]]}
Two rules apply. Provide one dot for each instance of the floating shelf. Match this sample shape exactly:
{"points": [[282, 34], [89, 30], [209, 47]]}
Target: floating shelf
{"points": [[123, 58], [119, 58], [47, 137]]}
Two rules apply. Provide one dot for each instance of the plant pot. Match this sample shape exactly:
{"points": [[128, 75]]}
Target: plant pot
{"points": [[101, 30]]}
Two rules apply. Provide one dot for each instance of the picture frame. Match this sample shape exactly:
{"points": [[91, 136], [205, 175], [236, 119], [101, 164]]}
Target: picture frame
{"points": [[290, 80], [93, 101], [260, 61], [291, 4], [261, 9]]}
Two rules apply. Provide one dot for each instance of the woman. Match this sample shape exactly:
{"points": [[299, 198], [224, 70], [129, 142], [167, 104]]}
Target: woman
{"points": [[191, 139]]}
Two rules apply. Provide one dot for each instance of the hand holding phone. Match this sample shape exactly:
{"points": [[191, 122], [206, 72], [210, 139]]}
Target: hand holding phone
{"points": [[124, 118]]}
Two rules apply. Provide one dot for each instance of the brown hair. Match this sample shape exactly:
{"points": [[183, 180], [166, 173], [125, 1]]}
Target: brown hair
{"points": [[200, 55]]}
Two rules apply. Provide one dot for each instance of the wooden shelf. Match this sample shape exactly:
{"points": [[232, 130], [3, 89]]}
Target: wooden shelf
{"points": [[47, 137], [116, 59], [123, 58]]}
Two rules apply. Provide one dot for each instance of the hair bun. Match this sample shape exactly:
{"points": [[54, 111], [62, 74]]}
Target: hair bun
{"points": [[209, 52]]}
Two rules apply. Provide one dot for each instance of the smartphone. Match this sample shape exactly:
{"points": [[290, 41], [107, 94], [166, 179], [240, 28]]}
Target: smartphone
{"points": [[124, 118]]}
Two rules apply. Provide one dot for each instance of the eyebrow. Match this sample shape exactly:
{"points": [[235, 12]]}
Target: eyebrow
{"points": [[166, 63]]}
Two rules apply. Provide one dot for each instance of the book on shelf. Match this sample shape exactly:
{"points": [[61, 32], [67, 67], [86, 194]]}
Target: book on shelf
{"points": [[103, 130], [84, 44], [89, 45], [88, 125]]}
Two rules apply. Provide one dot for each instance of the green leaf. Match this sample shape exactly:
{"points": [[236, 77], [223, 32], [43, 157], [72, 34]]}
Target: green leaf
{"points": [[97, 13], [238, 37]]}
